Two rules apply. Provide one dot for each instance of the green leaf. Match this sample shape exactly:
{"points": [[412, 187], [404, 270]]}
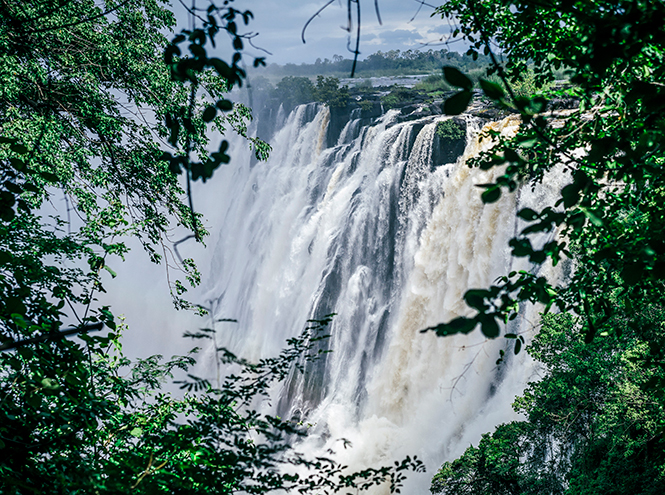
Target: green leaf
{"points": [[527, 214], [457, 103], [175, 131], [175, 165], [108, 269], [491, 195], [222, 68], [225, 105], [12, 187], [18, 148], [50, 384], [209, 113], [488, 325], [475, 298], [136, 432], [17, 164], [593, 217], [460, 324], [521, 247], [493, 90], [457, 79], [527, 142], [49, 177], [570, 195], [7, 214], [170, 51]]}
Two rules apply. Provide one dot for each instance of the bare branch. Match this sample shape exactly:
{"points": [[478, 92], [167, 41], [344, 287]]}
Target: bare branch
{"points": [[378, 14], [302, 35], [420, 6]]}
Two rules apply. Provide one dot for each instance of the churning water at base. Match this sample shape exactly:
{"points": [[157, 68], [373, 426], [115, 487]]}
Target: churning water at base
{"points": [[372, 231]]}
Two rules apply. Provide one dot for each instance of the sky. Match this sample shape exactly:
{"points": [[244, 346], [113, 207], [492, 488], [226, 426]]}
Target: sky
{"points": [[280, 23]]}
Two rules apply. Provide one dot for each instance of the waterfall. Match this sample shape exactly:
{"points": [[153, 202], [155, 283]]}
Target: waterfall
{"points": [[375, 232]]}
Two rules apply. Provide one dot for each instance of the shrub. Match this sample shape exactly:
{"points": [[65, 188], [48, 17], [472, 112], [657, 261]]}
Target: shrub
{"points": [[449, 129]]}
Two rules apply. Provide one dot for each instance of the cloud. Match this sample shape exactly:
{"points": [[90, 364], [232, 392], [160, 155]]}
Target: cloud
{"points": [[395, 38], [280, 26]]}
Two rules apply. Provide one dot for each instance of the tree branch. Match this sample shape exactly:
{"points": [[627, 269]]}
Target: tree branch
{"points": [[52, 336]]}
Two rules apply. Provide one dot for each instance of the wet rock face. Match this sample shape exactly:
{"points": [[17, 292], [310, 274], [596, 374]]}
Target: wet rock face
{"points": [[371, 111], [339, 116], [489, 113], [415, 112], [449, 141]]}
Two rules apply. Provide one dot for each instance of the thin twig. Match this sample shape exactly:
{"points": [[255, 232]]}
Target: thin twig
{"points": [[356, 52], [378, 14], [302, 35]]}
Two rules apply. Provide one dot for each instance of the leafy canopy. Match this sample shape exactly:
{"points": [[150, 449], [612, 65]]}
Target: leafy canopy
{"points": [[609, 218], [594, 423], [92, 96]]}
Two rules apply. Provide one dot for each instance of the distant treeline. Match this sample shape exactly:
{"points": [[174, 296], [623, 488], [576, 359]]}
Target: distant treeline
{"points": [[393, 62]]}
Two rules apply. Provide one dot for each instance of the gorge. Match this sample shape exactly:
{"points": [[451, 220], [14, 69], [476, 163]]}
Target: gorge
{"points": [[385, 231]]}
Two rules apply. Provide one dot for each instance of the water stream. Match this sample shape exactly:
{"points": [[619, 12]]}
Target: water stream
{"points": [[372, 231]]}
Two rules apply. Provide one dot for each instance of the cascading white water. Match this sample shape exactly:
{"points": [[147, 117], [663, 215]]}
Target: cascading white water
{"points": [[372, 231]]}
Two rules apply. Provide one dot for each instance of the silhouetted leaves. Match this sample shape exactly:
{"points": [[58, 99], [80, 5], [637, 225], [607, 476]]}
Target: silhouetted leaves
{"points": [[457, 103], [491, 89], [456, 78]]}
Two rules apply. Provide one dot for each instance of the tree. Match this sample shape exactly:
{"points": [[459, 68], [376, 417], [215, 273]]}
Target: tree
{"points": [[593, 422], [610, 212], [293, 91], [91, 97], [108, 426], [84, 96], [328, 92]]}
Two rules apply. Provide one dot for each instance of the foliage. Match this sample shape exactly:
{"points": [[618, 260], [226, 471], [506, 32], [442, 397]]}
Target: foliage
{"points": [[390, 63], [449, 129], [110, 426], [435, 82], [83, 105], [526, 85], [398, 96], [84, 98], [64, 95], [294, 91], [609, 213], [364, 84], [193, 69], [329, 92], [366, 105], [594, 423], [91, 95]]}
